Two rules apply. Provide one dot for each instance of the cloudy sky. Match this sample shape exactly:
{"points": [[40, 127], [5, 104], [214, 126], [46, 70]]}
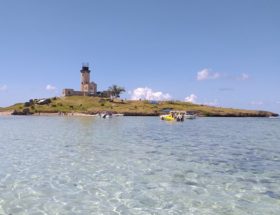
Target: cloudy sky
{"points": [[216, 52]]}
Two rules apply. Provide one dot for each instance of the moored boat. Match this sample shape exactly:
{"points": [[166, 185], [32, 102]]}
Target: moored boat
{"points": [[174, 116], [190, 115], [105, 115], [108, 114]]}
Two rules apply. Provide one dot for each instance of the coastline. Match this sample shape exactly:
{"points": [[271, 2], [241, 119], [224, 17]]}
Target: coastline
{"points": [[79, 114], [90, 106]]}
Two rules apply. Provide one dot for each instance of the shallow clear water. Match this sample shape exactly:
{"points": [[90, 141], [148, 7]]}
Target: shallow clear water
{"points": [[139, 165]]}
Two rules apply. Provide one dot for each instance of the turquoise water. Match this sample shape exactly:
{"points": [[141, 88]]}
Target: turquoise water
{"points": [[139, 165]]}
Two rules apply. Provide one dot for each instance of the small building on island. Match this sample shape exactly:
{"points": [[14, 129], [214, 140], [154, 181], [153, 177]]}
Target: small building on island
{"points": [[87, 88]]}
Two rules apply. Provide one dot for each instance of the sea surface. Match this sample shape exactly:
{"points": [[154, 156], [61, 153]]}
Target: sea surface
{"points": [[139, 165]]}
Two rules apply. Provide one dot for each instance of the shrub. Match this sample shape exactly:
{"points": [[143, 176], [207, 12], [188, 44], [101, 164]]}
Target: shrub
{"points": [[26, 111], [27, 104]]}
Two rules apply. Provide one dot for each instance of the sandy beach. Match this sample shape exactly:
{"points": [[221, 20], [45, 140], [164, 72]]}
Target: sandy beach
{"points": [[9, 113], [5, 113]]}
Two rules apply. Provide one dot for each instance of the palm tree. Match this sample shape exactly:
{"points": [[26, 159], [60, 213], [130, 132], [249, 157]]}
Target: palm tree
{"points": [[115, 91]]}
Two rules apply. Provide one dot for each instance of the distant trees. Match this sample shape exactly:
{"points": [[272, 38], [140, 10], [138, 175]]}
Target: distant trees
{"points": [[115, 91]]}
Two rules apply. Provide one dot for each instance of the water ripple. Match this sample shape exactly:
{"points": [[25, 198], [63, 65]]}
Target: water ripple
{"points": [[138, 165]]}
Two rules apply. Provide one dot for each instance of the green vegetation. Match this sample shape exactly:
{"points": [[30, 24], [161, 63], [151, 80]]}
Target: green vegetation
{"points": [[92, 105], [115, 91]]}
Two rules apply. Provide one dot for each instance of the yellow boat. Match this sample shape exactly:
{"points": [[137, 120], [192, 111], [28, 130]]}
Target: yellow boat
{"points": [[174, 115], [167, 117]]}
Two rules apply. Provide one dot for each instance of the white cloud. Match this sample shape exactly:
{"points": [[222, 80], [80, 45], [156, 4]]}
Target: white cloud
{"points": [[49, 87], [148, 94], [3, 87], [244, 77], [191, 98], [205, 74], [256, 103]]}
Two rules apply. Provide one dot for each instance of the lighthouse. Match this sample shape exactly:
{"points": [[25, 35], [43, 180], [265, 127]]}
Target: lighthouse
{"points": [[87, 87], [85, 78]]}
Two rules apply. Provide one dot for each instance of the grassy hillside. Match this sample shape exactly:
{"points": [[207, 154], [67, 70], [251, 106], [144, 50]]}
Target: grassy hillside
{"points": [[92, 105]]}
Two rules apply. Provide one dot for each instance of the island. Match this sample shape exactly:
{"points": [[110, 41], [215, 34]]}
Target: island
{"points": [[90, 105]]}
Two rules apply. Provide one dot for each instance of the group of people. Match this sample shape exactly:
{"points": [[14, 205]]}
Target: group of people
{"points": [[178, 116]]}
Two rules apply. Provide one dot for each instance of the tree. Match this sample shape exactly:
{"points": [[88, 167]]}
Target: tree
{"points": [[115, 91]]}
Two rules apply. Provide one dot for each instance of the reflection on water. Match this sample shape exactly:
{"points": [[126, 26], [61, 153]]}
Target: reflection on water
{"points": [[139, 165]]}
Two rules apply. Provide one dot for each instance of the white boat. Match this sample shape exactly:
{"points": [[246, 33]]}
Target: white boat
{"points": [[190, 115], [106, 115]]}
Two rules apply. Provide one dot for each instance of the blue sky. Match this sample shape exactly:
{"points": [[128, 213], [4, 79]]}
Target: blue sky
{"points": [[218, 52]]}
